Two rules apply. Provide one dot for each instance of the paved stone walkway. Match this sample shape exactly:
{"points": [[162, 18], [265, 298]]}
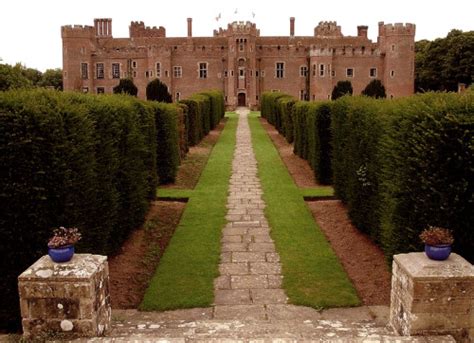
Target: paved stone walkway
{"points": [[249, 267]]}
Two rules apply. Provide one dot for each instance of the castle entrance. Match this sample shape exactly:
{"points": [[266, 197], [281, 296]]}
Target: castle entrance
{"points": [[241, 99]]}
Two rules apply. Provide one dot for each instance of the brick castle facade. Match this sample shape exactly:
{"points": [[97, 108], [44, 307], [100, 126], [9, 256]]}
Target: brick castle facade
{"points": [[238, 61]]}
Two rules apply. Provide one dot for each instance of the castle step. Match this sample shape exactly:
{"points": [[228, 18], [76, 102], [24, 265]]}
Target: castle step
{"points": [[283, 323]]}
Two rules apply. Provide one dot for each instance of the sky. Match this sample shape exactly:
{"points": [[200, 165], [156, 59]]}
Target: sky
{"points": [[30, 30]]}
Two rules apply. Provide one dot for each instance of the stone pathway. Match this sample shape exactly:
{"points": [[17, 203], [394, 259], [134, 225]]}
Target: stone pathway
{"points": [[249, 267]]}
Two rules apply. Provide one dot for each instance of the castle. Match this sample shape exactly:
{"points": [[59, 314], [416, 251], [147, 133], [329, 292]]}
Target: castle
{"points": [[238, 61]]}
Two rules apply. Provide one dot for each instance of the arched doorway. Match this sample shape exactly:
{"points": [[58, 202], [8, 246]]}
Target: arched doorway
{"points": [[241, 99]]}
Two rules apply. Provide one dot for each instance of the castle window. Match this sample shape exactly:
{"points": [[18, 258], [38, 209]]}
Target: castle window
{"points": [[226, 73], [280, 70], [241, 46], [232, 73], [84, 71], [256, 73], [203, 70], [262, 73], [393, 47], [99, 69], [322, 70], [256, 97], [349, 72], [177, 72], [314, 69], [178, 96], [151, 73], [134, 64], [373, 72], [100, 90], [158, 69], [333, 73], [392, 73], [147, 74], [167, 74], [134, 74], [303, 71], [116, 70]]}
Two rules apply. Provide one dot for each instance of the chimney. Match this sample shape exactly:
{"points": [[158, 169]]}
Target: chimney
{"points": [[190, 27], [362, 31], [292, 26]]}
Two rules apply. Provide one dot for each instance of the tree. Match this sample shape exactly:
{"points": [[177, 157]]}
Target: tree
{"points": [[52, 78], [11, 77], [341, 88], [126, 86], [375, 89], [158, 91], [31, 74], [443, 63]]}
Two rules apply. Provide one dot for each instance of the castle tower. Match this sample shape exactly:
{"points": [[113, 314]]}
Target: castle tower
{"points": [[397, 44], [77, 62]]}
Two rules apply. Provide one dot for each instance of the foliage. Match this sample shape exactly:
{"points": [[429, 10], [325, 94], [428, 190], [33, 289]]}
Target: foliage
{"points": [[52, 78], [12, 77], [314, 279], [158, 91], [340, 89], [357, 127], [443, 63], [168, 151], [69, 159], [64, 236], [427, 171], [436, 236], [185, 275], [126, 86], [375, 89]]}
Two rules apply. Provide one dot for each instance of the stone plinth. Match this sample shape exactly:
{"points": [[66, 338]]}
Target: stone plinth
{"points": [[71, 297], [432, 297]]}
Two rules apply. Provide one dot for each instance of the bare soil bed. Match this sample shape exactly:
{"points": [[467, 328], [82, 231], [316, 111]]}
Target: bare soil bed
{"points": [[363, 260]]}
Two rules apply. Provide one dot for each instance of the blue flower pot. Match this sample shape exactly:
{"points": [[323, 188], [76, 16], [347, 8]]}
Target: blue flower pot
{"points": [[438, 252], [62, 254]]}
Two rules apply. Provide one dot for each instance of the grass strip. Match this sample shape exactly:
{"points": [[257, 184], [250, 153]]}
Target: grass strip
{"points": [[174, 193], [185, 275], [323, 191], [312, 274]]}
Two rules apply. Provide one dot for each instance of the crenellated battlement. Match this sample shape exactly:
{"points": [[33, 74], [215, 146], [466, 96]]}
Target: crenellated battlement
{"points": [[327, 29], [138, 29], [396, 29], [238, 27], [77, 31]]}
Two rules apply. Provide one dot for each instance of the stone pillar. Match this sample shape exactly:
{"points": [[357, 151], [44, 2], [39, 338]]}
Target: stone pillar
{"points": [[432, 297], [71, 297]]}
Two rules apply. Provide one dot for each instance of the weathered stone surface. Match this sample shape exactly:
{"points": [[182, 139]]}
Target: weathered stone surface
{"points": [[265, 268], [248, 281], [240, 312], [432, 297], [233, 268], [232, 297], [268, 296], [248, 257], [71, 297]]}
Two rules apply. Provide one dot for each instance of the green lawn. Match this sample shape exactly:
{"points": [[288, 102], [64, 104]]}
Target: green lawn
{"points": [[313, 275], [185, 275]]}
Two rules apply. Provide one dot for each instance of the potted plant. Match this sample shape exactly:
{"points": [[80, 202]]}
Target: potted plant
{"points": [[438, 242], [61, 245]]}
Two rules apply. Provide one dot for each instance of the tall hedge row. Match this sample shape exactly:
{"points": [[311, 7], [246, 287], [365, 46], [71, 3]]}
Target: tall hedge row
{"points": [[204, 111], [277, 109], [70, 160], [427, 171], [399, 165], [357, 127]]}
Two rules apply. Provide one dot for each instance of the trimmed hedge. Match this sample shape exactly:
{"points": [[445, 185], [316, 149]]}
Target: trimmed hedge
{"points": [[427, 171], [399, 165], [277, 109], [357, 127], [205, 110], [70, 160]]}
